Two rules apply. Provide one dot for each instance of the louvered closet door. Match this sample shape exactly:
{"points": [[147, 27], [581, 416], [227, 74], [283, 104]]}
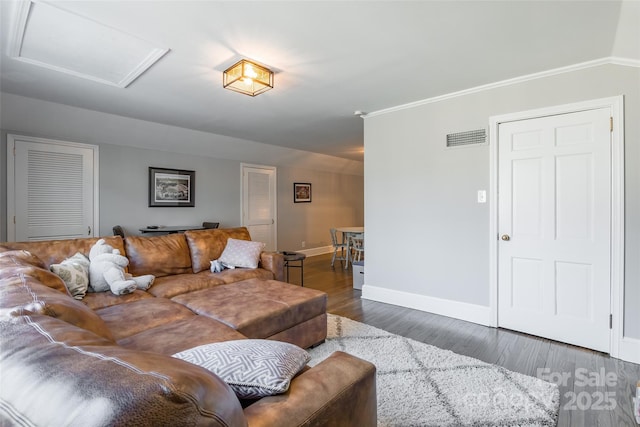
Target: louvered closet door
{"points": [[53, 194]]}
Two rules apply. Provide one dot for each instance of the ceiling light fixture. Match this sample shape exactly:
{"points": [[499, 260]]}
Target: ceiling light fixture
{"points": [[247, 77]]}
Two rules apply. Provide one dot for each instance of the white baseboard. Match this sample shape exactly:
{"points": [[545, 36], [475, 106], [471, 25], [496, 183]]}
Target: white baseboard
{"points": [[629, 350], [456, 309], [317, 251]]}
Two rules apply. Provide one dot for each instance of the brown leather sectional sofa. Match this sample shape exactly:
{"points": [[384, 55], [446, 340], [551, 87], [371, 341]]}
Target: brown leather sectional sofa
{"points": [[106, 360]]}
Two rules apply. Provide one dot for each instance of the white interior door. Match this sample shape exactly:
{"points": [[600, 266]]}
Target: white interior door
{"points": [[259, 204], [554, 220], [51, 189]]}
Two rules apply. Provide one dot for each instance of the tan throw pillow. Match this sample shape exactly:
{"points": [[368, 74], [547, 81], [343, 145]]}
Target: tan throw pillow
{"points": [[241, 253], [74, 271]]}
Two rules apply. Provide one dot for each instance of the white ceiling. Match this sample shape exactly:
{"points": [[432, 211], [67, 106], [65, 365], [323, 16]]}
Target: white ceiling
{"points": [[331, 58]]}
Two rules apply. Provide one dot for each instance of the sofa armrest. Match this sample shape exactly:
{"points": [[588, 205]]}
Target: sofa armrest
{"points": [[340, 391], [274, 262], [54, 373]]}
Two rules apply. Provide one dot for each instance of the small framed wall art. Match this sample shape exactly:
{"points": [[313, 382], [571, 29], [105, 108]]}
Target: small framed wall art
{"points": [[172, 187], [301, 192]]}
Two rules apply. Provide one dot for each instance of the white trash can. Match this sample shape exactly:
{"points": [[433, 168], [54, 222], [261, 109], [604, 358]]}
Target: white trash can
{"points": [[358, 274]]}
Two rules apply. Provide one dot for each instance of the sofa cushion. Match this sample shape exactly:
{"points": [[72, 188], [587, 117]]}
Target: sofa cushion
{"points": [[74, 272], [180, 335], [158, 255], [25, 296], [170, 286], [24, 256], [306, 334], [55, 251], [240, 274], [15, 264], [97, 300], [207, 245], [56, 374], [257, 308], [241, 253], [129, 319], [15, 291], [253, 368]]}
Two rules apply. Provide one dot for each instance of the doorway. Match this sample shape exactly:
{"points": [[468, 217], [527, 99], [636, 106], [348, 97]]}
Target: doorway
{"points": [[259, 202], [557, 221]]}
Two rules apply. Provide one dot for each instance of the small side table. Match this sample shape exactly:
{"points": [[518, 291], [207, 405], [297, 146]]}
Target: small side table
{"points": [[298, 259]]}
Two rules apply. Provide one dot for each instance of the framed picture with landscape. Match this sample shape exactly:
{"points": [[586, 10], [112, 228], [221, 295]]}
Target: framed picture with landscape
{"points": [[301, 192], [171, 187]]}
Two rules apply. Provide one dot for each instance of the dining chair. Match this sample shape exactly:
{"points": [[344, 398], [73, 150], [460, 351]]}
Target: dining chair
{"points": [[342, 246], [357, 246], [210, 224], [118, 231]]}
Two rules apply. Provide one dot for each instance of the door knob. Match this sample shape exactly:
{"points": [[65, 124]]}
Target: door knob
{"points": [[505, 237]]}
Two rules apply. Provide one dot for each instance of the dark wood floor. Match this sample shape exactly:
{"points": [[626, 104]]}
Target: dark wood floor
{"points": [[580, 405]]}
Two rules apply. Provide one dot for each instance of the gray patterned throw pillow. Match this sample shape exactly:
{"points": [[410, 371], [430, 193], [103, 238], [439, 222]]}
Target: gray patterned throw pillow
{"points": [[74, 272], [252, 368]]}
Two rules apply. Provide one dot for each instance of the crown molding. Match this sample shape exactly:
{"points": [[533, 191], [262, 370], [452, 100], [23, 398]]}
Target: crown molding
{"points": [[628, 62]]}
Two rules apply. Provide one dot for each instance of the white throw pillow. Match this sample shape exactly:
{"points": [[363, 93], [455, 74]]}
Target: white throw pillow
{"points": [[74, 272], [241, 253], [252, 368]]}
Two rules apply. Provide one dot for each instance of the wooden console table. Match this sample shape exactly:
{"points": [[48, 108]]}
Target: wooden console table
{"points": [[169, 229]]}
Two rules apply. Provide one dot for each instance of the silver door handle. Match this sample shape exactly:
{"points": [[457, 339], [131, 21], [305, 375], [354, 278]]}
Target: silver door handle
{"points": [[505, 237]]}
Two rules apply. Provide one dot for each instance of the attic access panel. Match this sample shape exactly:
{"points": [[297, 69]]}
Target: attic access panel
{"points": [[54, 38]]}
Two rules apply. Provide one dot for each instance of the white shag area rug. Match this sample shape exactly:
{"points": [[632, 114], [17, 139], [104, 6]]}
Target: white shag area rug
{"points": [[422, 385]]}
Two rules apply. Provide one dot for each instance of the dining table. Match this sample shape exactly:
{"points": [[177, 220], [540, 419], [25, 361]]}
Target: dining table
{"points": [[347, 232]]}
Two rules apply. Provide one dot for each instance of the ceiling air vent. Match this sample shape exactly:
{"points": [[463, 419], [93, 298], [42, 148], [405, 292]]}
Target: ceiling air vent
{"points": [[467, 138]]}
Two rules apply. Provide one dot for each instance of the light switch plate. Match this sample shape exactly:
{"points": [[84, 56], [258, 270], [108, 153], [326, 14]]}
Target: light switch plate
{"points": [[482, 196]]}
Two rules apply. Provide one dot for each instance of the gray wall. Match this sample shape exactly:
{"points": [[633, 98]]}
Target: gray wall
{"points": [[421, 197], [336, 200], [124, 172], [124, 189]]}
